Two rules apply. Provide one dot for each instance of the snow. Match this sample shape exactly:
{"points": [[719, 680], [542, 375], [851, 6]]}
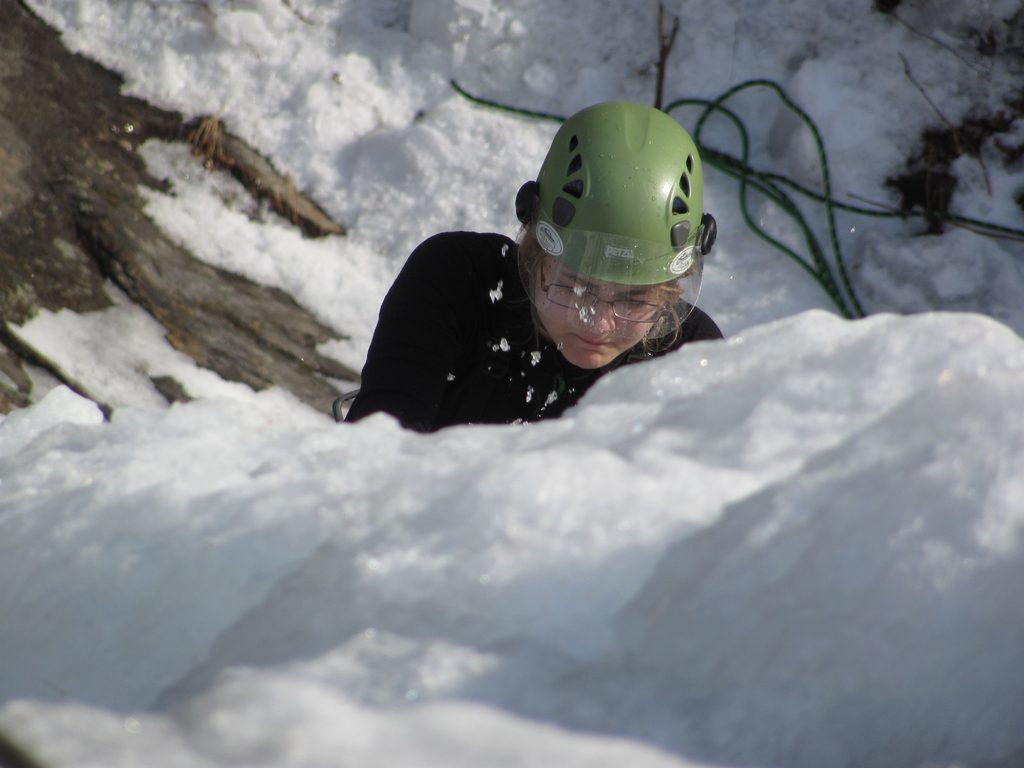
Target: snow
{"points": [[800, 546]]}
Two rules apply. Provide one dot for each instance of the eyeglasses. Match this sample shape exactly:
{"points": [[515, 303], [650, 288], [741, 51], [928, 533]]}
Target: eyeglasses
{"points": [[583, 300]]}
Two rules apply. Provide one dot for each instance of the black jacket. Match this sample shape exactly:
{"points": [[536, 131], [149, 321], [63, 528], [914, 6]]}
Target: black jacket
{"points": [[456, 344]]}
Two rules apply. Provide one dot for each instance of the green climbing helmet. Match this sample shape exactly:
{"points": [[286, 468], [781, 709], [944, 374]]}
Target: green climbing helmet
{"points": [[619, 197]]}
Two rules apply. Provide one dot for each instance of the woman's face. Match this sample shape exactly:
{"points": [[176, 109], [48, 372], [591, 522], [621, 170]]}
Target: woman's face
{"points": [[587, 332]]}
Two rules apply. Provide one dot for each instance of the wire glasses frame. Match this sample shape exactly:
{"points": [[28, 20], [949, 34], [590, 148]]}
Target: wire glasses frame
{"points": [[583, 299]]}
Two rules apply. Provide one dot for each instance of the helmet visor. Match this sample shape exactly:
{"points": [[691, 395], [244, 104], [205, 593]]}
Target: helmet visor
{"points": [[619, 259]]}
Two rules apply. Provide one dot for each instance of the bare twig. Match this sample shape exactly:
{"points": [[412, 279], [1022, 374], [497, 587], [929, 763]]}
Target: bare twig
{"points": [[665, 43], [939, 43], [295, 11], [954, 131], [920, 88]]}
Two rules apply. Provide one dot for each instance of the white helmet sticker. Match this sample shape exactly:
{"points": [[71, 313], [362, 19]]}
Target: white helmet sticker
{"points": [[683, 261], [549, 239]]}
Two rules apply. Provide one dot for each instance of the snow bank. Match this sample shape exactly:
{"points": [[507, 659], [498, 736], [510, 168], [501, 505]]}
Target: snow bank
{"points": [[270, 720], [799, 547]]}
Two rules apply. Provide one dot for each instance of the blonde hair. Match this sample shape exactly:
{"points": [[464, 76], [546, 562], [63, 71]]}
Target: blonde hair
{"points": [[662, 335]]}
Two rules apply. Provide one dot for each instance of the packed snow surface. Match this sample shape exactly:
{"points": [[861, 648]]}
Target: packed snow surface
{"points": [[800, 546], [797, 553]]}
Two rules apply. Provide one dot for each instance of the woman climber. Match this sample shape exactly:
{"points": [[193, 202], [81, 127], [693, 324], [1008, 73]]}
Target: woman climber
{"points": [[480, 329]]}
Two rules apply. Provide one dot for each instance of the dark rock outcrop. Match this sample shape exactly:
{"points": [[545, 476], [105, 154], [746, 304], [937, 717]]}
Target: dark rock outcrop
{"points": [[71, 218]]}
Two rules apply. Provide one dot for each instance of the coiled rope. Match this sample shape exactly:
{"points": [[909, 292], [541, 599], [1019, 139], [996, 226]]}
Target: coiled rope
{"points": [[830, 274]]}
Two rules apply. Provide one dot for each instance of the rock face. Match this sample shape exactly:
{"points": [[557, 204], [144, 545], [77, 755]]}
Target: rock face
{"points": [[71, 219]]}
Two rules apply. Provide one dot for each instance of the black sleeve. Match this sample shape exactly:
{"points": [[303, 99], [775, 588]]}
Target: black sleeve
{"points": [[427, 321]]}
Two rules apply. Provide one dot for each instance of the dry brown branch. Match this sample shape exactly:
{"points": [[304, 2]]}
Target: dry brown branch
{"points": [[221, 149], [207, 140]]}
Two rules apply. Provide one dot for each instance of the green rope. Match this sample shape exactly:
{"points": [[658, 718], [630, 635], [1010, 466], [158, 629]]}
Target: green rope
{"points": [[848, 304], [740, 169], [770, 185], [504, 107], [985, 227]]}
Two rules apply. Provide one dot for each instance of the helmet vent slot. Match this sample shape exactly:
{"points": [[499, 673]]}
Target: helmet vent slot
{"points": [[679, 206], [562, 212], [574, 165], [574, 188], [573, 143], [684, 183], [689, 163]]}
